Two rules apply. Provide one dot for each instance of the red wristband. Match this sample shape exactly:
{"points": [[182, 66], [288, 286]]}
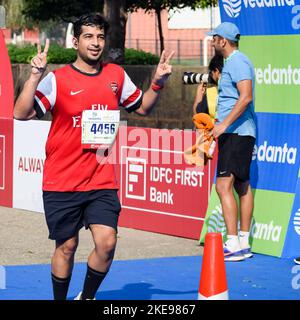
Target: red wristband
{"points": [[156, 87]]}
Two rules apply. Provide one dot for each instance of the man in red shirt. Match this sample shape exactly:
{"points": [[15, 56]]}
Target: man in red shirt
{"points": [[84, 99]]}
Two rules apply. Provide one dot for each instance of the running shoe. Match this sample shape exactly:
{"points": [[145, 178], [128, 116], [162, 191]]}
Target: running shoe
{"points": [[233, 255], [247, 252], [297, 260]]}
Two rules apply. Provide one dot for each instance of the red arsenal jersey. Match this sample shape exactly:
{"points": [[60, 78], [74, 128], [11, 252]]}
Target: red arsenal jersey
{"points": [[66, 92]]}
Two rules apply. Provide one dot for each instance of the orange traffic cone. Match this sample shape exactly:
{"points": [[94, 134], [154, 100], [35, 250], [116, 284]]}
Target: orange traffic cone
{"points": [[213, 283]]}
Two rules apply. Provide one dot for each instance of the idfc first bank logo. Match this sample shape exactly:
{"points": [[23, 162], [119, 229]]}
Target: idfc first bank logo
{"points": [[233, 8]]}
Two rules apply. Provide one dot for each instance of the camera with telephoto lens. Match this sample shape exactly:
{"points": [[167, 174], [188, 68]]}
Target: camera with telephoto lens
{"points": [[194, 78]]}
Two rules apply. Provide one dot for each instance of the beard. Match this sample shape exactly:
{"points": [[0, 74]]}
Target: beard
{"points": [[218, 51], [91, 61]]}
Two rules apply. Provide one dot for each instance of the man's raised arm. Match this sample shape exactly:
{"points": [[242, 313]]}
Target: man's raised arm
{"points": [[162, 73], [24, 105]]}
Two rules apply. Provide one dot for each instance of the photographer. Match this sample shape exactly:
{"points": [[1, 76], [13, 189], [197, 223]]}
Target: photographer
{"points": [[206, 94], [204, 111]]}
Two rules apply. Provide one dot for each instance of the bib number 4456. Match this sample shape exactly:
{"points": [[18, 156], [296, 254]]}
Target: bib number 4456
{"points": [[103, 128]]}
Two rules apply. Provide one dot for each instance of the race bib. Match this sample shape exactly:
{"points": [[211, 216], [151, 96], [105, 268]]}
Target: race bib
{"points": [[99, 128]]}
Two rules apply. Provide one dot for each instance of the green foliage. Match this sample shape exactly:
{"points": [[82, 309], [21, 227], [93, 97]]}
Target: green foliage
{"points": [[44, 10], [159, 5], [21, 55], [140, 57], [14, 17], [61, 55], [56, 54]]}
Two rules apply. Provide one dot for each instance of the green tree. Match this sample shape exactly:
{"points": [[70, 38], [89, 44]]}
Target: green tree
{"points": [[116, 13], [14, 17], [158, 5], [114, 10], [66, 10]]}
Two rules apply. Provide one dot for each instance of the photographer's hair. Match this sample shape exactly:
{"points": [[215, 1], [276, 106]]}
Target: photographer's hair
{"points": [[234, 44], [216, 62], [92, 19]]}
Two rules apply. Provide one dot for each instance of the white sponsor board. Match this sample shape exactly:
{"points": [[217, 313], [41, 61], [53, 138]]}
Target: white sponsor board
{"points": [[29, 156]]}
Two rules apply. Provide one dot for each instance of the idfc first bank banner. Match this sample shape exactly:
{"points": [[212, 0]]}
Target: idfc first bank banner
{"points": [[270, 37]]}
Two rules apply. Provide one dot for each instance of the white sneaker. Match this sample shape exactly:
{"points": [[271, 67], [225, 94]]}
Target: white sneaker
{"points": [[233, 255], [244, 243], [79, 297], [247, 252], [297, 260]]}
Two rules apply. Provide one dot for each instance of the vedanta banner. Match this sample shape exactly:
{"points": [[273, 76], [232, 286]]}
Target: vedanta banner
{"points": [[270, 37], [262, 17], [6, 125]]}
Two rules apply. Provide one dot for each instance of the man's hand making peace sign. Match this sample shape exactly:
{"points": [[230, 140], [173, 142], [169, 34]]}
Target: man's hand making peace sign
{"points": [[162, 73], [164, 69], [39, 62]]}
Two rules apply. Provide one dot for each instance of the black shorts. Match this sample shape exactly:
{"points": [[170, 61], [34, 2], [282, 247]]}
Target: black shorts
{"points": [[67, 212], [235, 156]]}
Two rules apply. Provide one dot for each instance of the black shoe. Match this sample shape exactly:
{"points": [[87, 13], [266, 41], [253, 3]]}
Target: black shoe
{"points": [[297, 260]]}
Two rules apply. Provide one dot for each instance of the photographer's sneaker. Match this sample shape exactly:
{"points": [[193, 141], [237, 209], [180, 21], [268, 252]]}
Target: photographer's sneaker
{"points": [[247, 252], [244, 243], [233, 255]]}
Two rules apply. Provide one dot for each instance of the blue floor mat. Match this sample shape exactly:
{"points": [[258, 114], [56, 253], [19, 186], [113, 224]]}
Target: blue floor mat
{"points": [[175, 278]]}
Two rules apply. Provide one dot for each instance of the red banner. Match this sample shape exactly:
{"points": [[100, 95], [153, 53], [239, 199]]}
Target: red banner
{"points": [[6, 125], [159, 192]]}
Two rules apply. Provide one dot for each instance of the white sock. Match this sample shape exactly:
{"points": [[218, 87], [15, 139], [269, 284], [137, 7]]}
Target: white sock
{"points": [[232, 243], [244, 239]]}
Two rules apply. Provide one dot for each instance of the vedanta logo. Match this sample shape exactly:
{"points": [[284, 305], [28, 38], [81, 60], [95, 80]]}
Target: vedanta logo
{"points": [[278, 76], [216, 221], [264, 231], [275, 154], [233, 7], [296, 222]]}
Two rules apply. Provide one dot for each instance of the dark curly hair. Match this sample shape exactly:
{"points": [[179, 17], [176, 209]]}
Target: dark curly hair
{"points": [[92, 19], [216, 62]]}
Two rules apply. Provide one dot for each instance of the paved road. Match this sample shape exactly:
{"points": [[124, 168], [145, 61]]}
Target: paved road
{"points": [[24, 240]]}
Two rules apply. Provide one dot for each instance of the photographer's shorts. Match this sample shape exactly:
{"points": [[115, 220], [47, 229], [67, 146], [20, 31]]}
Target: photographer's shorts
{"points": [[67, 212], [235, 156]]}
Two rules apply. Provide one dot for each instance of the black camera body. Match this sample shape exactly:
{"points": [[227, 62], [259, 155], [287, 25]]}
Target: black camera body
{"points": [[195, 78]]}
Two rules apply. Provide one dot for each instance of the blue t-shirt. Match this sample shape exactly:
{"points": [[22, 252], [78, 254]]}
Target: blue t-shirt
{"points": [[237, 67]]}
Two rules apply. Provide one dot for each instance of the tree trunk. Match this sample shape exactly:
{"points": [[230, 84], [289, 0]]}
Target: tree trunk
{"points": [[116, 15], [160, 31]]}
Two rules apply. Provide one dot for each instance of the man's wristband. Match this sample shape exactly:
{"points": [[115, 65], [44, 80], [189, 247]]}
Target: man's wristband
{"points": [[156, 87]]}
